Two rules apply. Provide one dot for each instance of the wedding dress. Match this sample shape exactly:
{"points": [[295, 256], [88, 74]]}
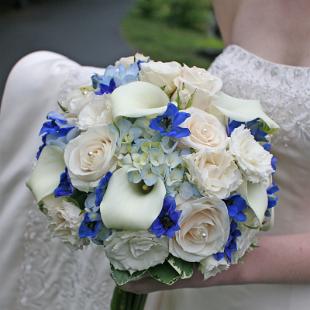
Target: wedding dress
{"points": [[37, 272], [284, 92]]}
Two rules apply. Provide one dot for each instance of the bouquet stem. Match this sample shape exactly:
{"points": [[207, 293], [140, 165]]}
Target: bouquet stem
{"points": [[122, 300]]}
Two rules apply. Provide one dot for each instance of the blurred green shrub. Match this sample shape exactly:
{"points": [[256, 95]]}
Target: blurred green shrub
{"points": [[189, 14]]}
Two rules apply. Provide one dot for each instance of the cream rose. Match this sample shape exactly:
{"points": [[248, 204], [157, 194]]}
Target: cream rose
{"points": [[127, 61], [207, 132], [252, 158], [204, 229], [97, 113], [161, 74], [198, 85], [214, 174], [65, 219], [90, 156], [210, 267], [135, 251]]}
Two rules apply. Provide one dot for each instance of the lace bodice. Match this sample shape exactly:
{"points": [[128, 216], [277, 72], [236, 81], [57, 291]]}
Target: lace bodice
{"points": [[284, 92]]}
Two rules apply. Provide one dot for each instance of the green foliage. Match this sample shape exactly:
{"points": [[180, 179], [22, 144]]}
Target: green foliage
{"points": [[152, 8], [121, 277], [164, 273], [183, 268]]}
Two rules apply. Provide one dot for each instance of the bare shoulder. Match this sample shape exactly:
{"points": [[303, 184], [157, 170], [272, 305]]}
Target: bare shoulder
{"points": [[225, 12]]}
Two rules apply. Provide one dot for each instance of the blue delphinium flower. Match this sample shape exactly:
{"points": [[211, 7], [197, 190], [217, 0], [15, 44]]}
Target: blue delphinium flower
{"points": [[167, 221], [231, 244], [272, 198], [101, 188], [236, 205], [255, 127], [168, 123], [55, 128], [65, 187], [91, 225]]}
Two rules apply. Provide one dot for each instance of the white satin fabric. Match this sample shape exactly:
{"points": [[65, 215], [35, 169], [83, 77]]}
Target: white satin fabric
{"points": [[36, 272], [285, 94]]}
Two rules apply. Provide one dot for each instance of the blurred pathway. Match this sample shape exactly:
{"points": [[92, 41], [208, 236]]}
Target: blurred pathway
{"points": [[87, 31]]}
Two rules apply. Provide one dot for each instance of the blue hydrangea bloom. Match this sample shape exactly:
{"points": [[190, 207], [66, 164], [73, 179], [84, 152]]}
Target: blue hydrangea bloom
{"points": [[236, 205], [91, 225], [101, 188], [231, 244], [65, 187], [90, 203], [168, 123], [274, 163], [255, 127], [167, 221], [115, 76]]}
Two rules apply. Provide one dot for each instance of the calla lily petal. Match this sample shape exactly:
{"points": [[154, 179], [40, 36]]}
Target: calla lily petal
{"points": [[124, 206], [138, 99], [241, 110], [256, 197], [46, 174]]}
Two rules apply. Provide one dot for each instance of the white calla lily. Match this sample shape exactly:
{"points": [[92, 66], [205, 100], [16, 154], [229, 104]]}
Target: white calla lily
{"points": [[138, 99], [256, 197], [46, 174], [242, 110], [125, 206]]}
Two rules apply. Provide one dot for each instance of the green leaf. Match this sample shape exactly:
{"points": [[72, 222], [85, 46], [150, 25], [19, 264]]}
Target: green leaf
{"points": [[164, 273], [78, 198], [183, 268], [121, 277]]}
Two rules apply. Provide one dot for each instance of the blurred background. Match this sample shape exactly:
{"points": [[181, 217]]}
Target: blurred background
{"points": [[98, 32]]}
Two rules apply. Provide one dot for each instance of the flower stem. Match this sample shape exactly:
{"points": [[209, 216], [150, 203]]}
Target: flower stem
{"points": [[122, 300]]}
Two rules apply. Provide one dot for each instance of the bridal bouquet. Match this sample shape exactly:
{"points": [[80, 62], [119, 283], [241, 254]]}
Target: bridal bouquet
{"points": [[155, 164]]}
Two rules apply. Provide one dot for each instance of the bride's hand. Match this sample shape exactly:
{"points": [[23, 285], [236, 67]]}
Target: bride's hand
{"points": [[279, 259], [148, 285]]}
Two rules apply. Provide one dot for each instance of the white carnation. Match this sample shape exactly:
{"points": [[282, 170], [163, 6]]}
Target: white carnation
{"points": [[214, 174], [65, 220], [252, 158], [210, 267], [97, 113], [135, 251]]}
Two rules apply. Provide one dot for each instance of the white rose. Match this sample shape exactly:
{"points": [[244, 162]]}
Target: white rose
{"points": [[65, 220], [97, 113], [90, 156], [198, 85], [252, 158], [210, 267], [214, 174], [161, 74], [204, 229], [127, 61], [135, 251], [207, 132], [75, 99]]}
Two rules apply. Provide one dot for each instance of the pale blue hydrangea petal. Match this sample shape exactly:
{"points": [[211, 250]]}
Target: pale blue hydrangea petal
{"points": [[168, 145], [149, 178], [157, 157], [173, 159], [134, 176]]}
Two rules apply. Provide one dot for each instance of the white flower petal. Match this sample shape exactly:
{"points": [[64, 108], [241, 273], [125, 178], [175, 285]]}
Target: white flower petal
{"points": [[46, 174], [241, 110], [125, 207], [138, 99]]}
